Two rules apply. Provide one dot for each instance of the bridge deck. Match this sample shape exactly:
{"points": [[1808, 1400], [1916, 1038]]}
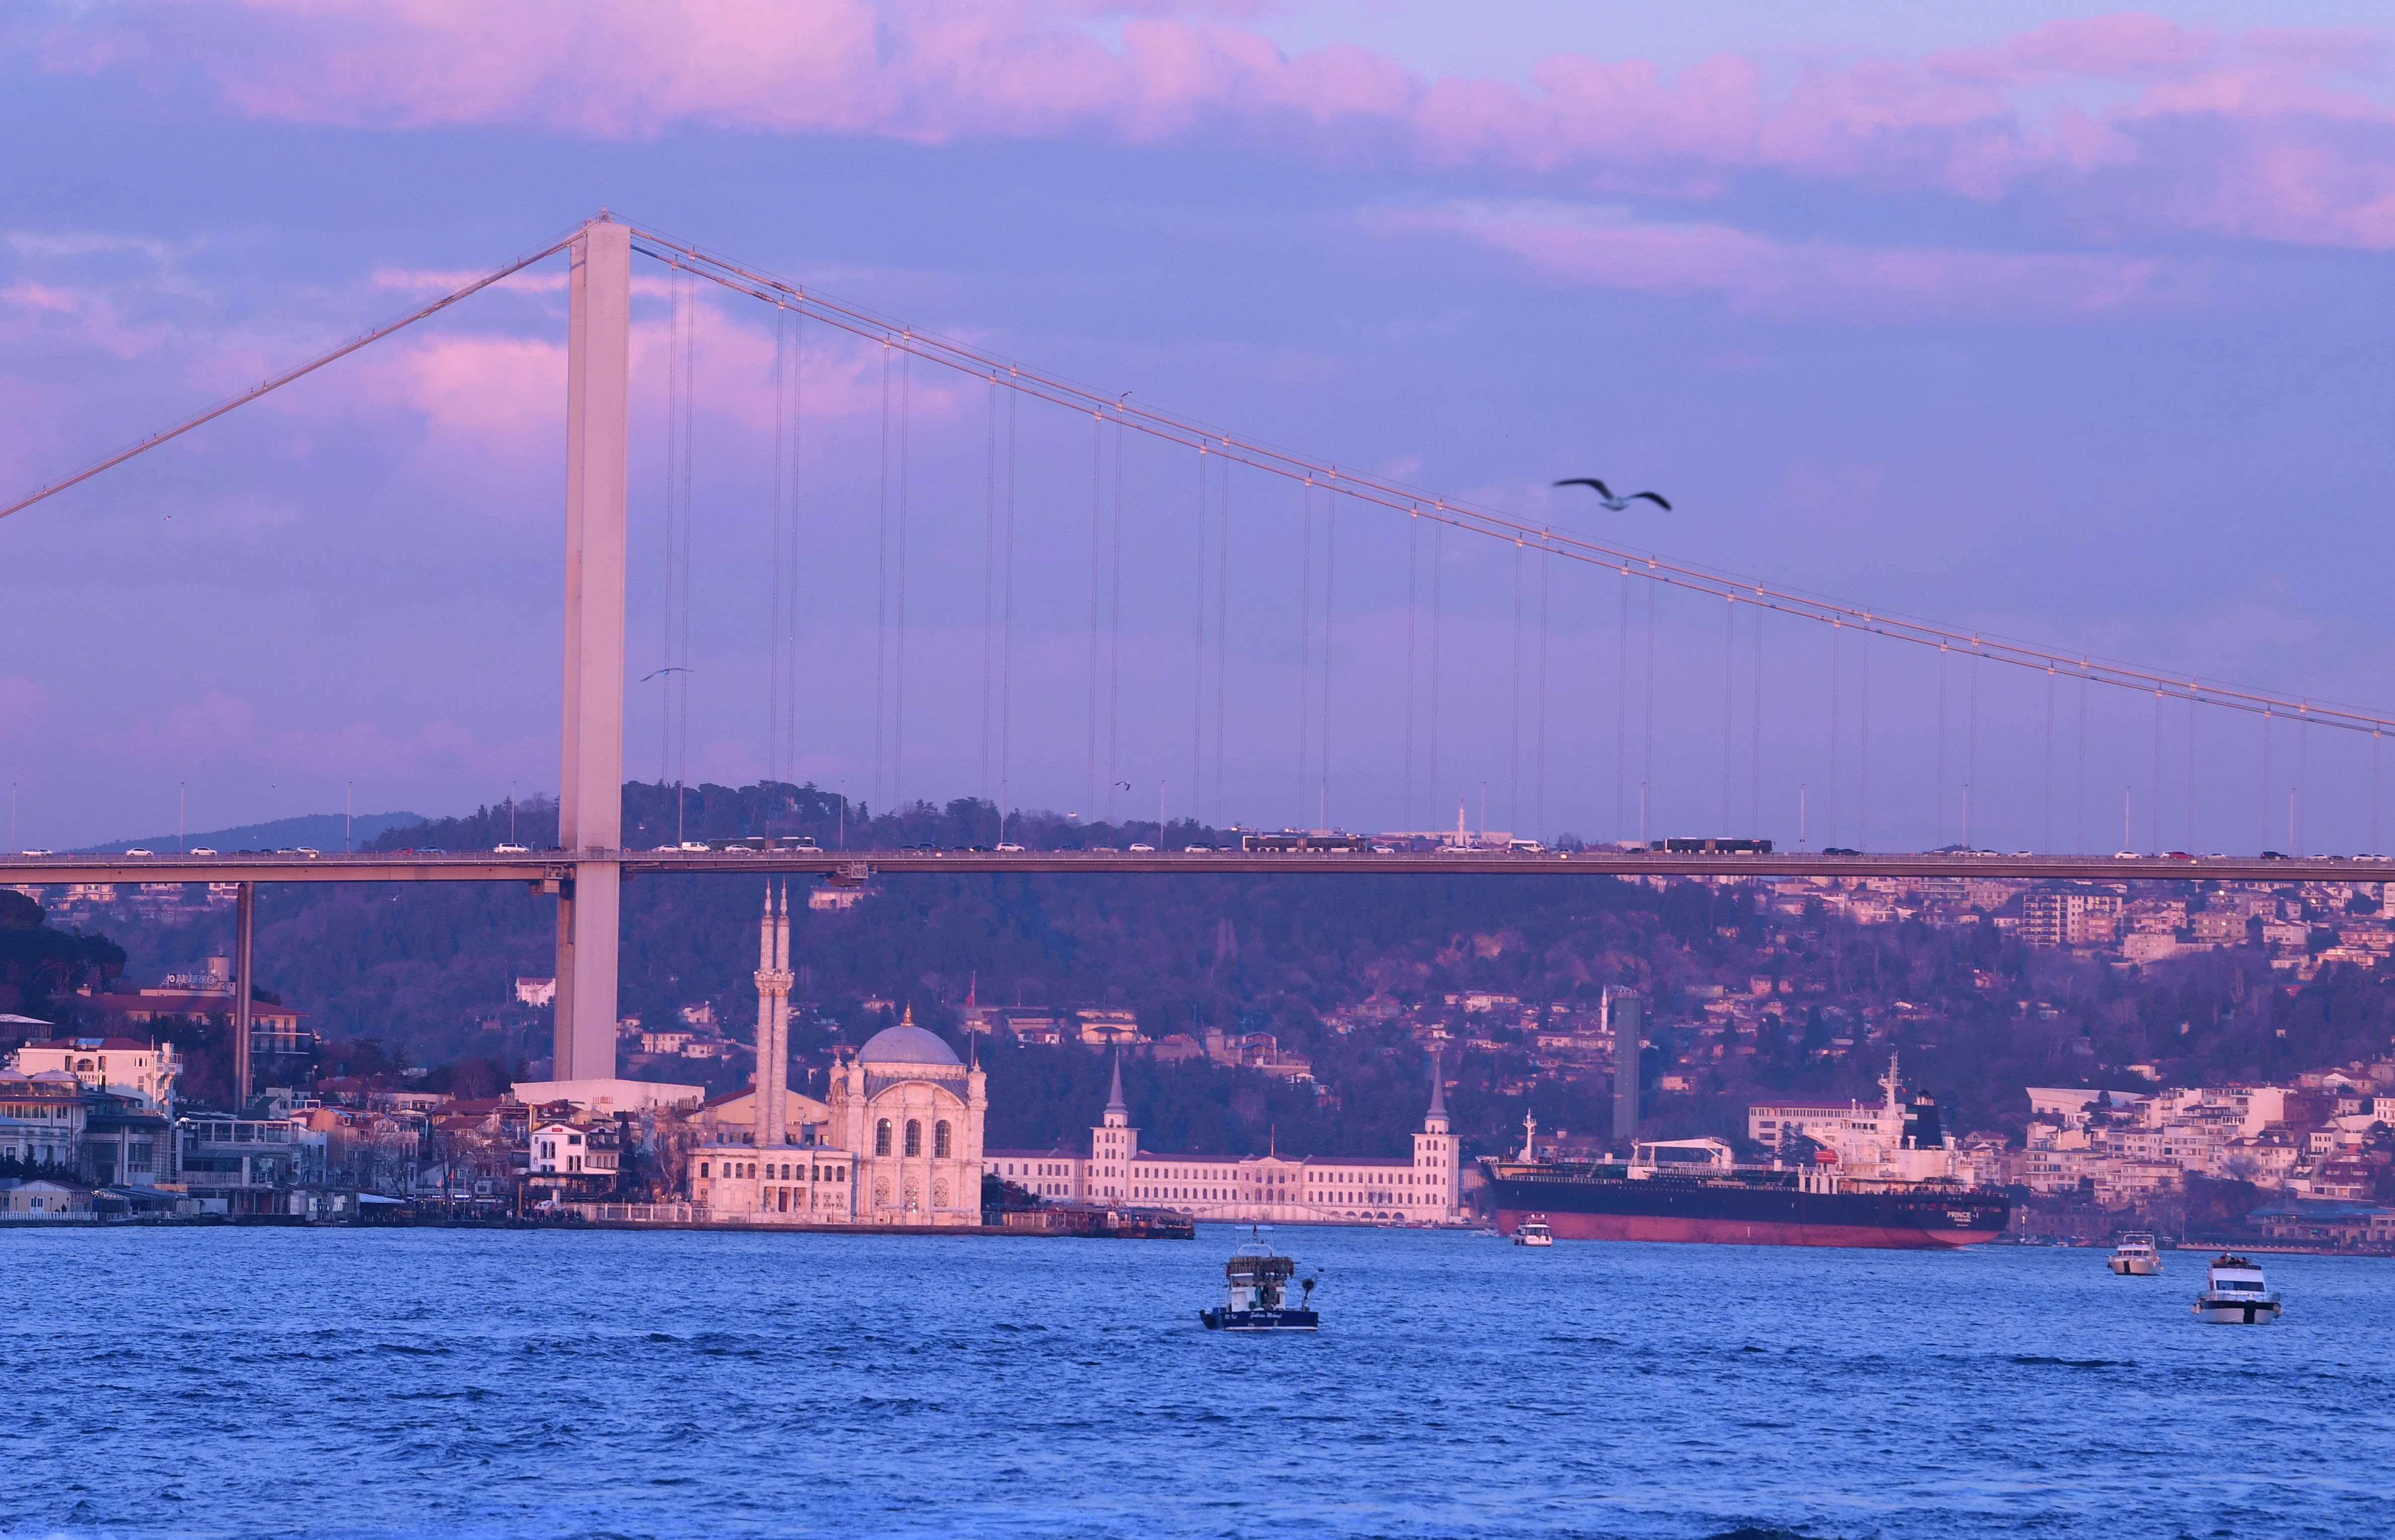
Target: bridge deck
{"points": [[552, 866]]}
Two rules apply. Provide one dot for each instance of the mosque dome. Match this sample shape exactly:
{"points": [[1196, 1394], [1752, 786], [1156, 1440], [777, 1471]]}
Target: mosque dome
{"points": [[908, 1043]]}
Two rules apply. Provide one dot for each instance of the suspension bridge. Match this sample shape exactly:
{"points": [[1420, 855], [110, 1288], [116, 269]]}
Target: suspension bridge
{"points": [[1211, 705]]}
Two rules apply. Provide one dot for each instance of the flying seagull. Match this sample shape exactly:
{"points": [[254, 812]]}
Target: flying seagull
{"points": [[1605, 494]]}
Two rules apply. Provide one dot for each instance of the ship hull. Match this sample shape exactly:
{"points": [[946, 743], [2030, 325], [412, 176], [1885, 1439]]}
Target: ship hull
{"points": [[1759, 1214]]}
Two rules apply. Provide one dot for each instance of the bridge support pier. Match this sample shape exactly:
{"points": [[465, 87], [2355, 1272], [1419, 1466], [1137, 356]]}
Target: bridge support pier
{"points": [[590, 787], [244, 932]]}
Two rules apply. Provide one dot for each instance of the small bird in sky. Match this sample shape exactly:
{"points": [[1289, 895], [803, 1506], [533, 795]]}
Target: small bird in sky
{"points": [[1605, 494]]}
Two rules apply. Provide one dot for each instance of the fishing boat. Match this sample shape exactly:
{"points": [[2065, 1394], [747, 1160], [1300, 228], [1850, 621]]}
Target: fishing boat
{"points": [[1255, 1295], [1533, 1231], [2136, 1256], [2234, 1294]]}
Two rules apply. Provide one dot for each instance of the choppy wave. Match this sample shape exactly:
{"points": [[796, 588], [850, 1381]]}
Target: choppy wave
{"points": [[470, 1383]]}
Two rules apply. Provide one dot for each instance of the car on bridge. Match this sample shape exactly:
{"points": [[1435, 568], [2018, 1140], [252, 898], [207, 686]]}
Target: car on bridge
{"points": [[137, 850]]}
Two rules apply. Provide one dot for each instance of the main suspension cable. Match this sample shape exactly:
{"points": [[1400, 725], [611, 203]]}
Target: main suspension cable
{"points": [[1391, 494], [267, 386]]}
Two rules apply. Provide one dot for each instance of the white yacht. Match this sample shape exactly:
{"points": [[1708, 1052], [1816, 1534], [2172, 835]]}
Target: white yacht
{"points": [[2136, 1256], [1533, 1231], [2234, 1294]]}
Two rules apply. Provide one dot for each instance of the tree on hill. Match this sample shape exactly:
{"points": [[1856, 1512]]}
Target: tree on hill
{"points": [[41, 967]]}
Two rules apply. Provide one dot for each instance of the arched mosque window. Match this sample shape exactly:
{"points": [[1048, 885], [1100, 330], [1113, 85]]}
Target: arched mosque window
{"points": [[940, 1139], [881, 1137], [913, 1137]]}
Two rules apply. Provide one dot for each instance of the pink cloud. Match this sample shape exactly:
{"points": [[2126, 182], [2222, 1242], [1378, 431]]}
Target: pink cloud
{"points": [[2127, 45], [2067, 98], [1758, 274]]}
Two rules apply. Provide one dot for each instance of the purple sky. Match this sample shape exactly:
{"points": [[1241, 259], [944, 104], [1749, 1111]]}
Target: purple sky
{"points": [[2064, 323]]}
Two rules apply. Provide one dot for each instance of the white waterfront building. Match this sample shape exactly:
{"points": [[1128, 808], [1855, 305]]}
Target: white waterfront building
{"points": [[1425, 1188]]}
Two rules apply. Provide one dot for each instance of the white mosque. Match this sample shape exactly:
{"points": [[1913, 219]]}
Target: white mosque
{"points": [[896, 1141]]}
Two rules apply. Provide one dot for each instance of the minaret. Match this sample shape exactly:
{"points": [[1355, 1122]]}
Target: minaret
{"points": [[1435, 1121], [774, 1021]]}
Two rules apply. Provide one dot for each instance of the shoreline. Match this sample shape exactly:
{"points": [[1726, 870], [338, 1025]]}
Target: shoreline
{"points": [[281, 1221]]}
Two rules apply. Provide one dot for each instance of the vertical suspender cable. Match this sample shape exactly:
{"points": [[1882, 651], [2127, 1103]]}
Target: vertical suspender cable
{"points": [[881, 587], [2045, 841], [898, 648], [1730, 671], [1330, 590], [1837, 683], [1646, 775], [2374, 736], [1939, 832], [1862, 737], [773, 628], [1621, 716], [1971, 744], [2270, 795], [2299, 838], [798, 485], [1304, 636], [1413, 544], [1197, 666], [1097, 576], [1006, 648], [1539, 738], [672, 503], [2154, 798], [1755, 773], [681, 682], [2190, 769], [988, 581], [1514, 735], [1438, 618], [1221, 636], [2079, 797], [1114, 634]]}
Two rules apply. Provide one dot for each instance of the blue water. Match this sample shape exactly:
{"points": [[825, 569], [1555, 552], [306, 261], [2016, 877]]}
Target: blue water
{"points": [[336, 1383]]}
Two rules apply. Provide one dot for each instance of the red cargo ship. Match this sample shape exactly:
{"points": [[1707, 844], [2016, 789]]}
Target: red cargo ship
{"points": [[1880, 1176]]}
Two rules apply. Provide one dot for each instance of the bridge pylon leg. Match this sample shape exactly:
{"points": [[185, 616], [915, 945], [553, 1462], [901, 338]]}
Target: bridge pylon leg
{"points": [[590, 786], [245, 936]]}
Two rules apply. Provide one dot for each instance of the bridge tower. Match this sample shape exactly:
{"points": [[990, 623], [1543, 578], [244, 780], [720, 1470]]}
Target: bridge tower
{"points": [[590, 786]]}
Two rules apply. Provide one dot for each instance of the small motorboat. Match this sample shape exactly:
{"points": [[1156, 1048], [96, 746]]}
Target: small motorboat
{"points": [[2234, 1294], [1533, 1231], [1255, 1295], [2136, 1256]]}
